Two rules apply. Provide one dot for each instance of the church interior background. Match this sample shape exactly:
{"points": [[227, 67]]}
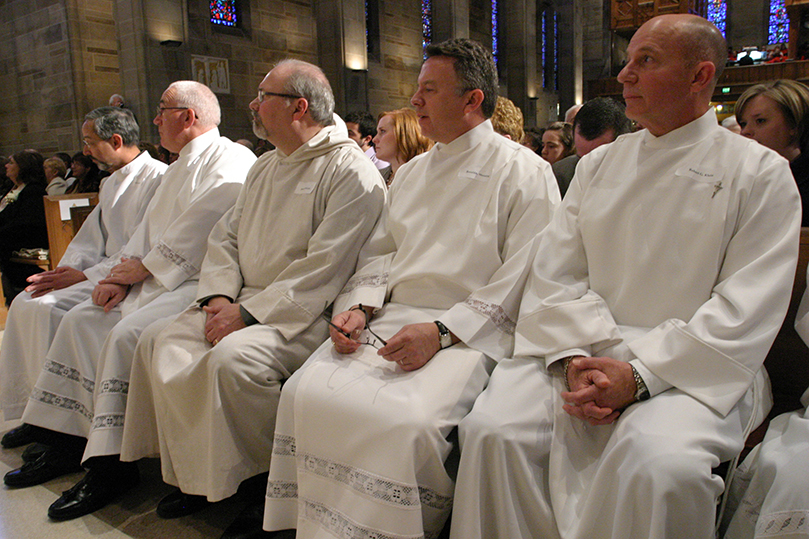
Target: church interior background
{"points": [[62, 58]]}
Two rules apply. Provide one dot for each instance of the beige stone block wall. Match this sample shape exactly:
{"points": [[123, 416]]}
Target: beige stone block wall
{"points": [[37, 102], [392, 81]]}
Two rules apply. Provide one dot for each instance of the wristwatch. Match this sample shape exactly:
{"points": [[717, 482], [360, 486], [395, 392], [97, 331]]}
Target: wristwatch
{"points": [[444, 338], [642, 392]]}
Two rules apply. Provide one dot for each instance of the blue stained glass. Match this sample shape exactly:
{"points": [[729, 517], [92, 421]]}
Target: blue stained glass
{"points": [[779, 22], [543, 46], [223, 12], [495, 46], [717, 14], [426, 23], [555, 52]]}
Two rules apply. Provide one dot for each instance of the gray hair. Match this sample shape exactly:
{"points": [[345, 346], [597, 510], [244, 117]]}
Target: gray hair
{"points": [[199, 98], [109, 121], [474, 67], [308, 81]]}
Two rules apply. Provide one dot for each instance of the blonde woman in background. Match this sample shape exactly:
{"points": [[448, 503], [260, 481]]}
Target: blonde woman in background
{"points": [[398, 139], [55, 171], [776, 115], [508, 120]]}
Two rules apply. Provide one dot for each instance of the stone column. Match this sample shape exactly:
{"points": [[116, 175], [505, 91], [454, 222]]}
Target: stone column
{"points": [[342, 52], [450, 19], [518, 54], [571, 85]]}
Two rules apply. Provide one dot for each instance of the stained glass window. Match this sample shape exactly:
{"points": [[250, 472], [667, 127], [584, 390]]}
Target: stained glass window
{"points": [[717, 13], [223, 12], [495, 45], [779, 22], [426, 23], [543, 47], [555, 52]]}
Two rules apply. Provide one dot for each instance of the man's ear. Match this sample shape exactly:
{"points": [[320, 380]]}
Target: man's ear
{"points": [[190, 118], [116, 141], [474, 100], [703, 76], [301, 108]]}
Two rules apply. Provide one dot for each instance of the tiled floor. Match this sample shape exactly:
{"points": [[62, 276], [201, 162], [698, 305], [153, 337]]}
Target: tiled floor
{"points": [[23, 512]]}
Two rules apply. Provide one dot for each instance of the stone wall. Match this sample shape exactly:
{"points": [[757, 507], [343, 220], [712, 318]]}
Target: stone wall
{"points": [[59, 60], [392, 79]]}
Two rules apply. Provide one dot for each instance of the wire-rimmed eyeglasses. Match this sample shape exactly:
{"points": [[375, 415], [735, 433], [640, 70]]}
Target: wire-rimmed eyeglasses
{"points": [[368, 340], [161, 108], [262, 94]]}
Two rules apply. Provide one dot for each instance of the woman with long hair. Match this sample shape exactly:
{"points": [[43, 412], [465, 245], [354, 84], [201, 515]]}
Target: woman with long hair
{"points": [[557, 142], [398, 139]]}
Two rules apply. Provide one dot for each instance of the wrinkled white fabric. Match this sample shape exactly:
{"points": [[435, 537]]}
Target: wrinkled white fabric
{"points": [[284, 252], [32, 323], [360, 444], [85, 379], [676, 253]]}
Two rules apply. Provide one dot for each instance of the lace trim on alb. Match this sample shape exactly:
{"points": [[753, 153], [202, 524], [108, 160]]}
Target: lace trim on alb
{"points": [[283, 445], [375, 486], [170, 255], [108, 421], [282, 490], [59, 401], [365, 281], [495, 313], [782, 523], [63, 371], [341, 526], [114, 385]]}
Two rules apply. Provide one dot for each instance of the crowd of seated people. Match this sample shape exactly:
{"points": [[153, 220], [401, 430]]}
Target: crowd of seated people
{"points": [[553, 338]]}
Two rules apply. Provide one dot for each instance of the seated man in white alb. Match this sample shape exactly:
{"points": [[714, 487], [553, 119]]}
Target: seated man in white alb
{"points": [[81, 392], [663, 278], [361, 436], [111, 137], [205, 389], [769, 494]]}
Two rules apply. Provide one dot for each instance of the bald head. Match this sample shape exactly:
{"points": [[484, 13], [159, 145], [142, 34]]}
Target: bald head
{"points": [[697, 39], [198, 97]]}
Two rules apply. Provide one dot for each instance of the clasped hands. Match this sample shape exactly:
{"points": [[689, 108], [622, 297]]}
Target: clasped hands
{"points": [[411, 348], [223, 318], [111, 290], [600, 388]]}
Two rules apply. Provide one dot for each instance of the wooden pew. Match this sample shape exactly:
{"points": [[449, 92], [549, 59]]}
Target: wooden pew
{"points": [[61, 231]]}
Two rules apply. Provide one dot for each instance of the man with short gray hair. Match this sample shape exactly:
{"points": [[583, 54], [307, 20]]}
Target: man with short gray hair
{"points": [[204, 390], [110, 137], [81, 392]]}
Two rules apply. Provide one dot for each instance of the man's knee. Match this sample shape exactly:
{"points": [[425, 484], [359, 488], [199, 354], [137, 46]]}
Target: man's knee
{"points": [[481, 429]]}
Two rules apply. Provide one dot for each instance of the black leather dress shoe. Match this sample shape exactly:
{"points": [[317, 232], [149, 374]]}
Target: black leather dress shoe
{"points": [[179, 504], [97, 489], [33, 452], [248, 524], [50, 465], [22, 435]]}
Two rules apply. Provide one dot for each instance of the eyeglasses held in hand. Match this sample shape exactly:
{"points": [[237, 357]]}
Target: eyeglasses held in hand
{"points": [[370, 342]]}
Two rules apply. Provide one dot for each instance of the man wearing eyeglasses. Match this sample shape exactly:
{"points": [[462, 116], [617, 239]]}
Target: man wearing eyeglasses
{"points": [[110, 136], [204, 389], [81, 393], [363, 433]]}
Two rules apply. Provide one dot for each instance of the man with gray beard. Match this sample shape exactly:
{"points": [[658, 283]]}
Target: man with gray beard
{"points": [[204, 390]]}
